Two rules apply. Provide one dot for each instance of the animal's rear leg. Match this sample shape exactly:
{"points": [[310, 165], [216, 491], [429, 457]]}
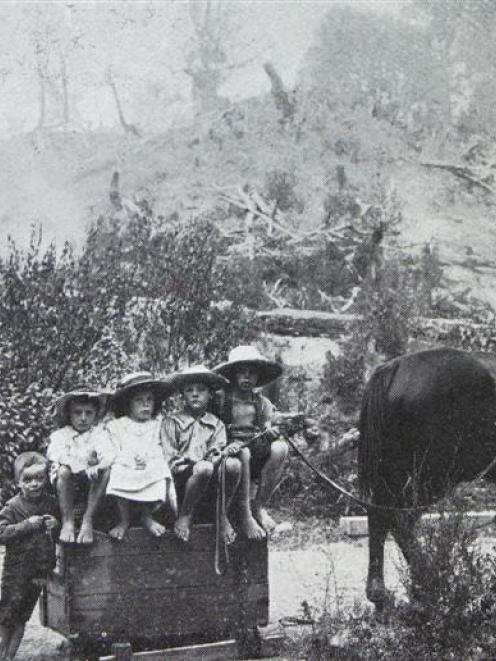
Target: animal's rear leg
{"points": [[376, 590]]}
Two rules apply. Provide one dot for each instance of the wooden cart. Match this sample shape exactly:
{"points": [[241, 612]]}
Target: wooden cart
{"points": [[156, 592]]}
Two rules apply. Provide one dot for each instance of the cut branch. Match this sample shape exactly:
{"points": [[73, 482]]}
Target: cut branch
{"points": [[462, 172]]}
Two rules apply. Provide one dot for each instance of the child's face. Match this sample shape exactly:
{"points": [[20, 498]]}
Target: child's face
{"points": [[246, 377], [196, 397], [33, 481], [82, 415], [141, 405]]}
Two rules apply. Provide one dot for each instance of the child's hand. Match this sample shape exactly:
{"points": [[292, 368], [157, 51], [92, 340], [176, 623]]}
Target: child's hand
{"points": [[92, 472], [271, 433], [139, 462], [179, 464], [36, 522], [92, 458], [233, 448], [50, 522]]}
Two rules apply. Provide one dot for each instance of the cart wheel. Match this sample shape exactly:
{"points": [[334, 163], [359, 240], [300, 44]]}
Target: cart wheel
{"points": [[249, 643]]}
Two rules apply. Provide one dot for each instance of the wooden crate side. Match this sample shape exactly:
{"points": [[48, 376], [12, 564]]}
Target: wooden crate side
{"points": [[90, 575], [156, 587], [159, 613]]}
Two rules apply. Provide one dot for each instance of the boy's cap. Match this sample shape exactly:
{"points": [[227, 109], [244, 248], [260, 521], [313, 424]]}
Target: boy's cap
{"points": [[198, 374], [62, 403], [26, 459], [161, 387], [248, 355]]}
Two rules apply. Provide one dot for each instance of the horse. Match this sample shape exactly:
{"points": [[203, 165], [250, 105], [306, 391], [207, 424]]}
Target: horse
{"points": [[427, 422]]}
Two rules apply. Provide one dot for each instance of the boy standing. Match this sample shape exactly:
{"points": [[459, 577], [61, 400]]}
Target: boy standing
{"points": [[27, 522], [193, 440], [80, 458], [249, 416]]}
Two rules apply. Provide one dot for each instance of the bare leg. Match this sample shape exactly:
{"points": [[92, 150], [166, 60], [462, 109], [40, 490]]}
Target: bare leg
{"points": [[196, 487], [149, 522], [65, 492], [15, 640], [6, 636], [248, 524], [121, 528], [269, 481], [233, 476], [96, 493]]}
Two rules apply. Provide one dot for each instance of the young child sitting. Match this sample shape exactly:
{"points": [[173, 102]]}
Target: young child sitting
{"points": [[27, 522], [247, 414], [139, 476], [80, 457], [194, 440]]}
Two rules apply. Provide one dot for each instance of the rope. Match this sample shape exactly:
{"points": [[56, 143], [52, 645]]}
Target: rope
{"points": [[364, 504], [221, 560]]}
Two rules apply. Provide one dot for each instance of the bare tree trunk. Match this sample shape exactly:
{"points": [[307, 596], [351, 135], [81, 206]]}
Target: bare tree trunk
{"points": [[281, 98], [128, 128], [41, 97], [65, 91]]}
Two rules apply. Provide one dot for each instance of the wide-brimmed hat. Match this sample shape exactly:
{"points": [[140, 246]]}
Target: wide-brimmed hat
{"points": [[198, 374], [246, 354], [82, 392], [161, 388]]}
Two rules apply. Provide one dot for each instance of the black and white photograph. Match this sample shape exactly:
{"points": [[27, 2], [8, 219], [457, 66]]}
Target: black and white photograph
{"points": [[247, 330]]}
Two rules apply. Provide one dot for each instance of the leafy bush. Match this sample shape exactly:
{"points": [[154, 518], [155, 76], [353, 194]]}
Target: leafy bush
{"points": [[450, 613], [143, 296]]}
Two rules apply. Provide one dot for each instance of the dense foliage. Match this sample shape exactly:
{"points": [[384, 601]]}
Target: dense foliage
{"points": [[141, 296]]}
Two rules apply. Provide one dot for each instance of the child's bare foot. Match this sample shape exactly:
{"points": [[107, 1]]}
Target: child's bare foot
{"points": [[229, 533], [250, 527], [119, 531], [182, 527], [153, 526], [67, 532], [264, 519], [85, 533]]}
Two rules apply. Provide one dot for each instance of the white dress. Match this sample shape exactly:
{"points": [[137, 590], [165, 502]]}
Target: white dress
{"points": [[138, 443]]}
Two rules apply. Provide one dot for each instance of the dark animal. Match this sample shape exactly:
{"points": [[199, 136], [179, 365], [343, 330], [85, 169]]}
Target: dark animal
{"points": [[427, 423]]}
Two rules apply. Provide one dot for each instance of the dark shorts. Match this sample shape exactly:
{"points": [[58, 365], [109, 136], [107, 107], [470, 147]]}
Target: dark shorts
{"points": [[17, 602], [259, 448], [205, 511]]}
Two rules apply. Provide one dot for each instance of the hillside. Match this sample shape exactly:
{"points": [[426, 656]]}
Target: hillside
{"points": [[62, 180]]}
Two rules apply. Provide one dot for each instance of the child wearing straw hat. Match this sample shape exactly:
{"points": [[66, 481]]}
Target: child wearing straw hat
{"points": [[140, 477], [249, 418], [194, 440], [80, 457]]}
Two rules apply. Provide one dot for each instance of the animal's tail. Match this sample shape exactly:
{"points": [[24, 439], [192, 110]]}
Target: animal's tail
{"points": [[374, 426]]}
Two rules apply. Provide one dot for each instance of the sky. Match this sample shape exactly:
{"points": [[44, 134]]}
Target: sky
{"points": [[144, 44]]}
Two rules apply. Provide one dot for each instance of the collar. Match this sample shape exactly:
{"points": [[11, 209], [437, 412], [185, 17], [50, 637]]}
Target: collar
{"points": [[185, 420]]}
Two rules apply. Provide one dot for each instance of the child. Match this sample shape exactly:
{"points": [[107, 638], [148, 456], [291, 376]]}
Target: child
{"points": [[140, 474], [80, 457], [194, 440], [246, 414], [27, 522]]}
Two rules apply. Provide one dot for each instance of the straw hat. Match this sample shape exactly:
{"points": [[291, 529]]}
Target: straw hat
{"points": [[198, 374], [161, 388], [82, 392], [248, 355]]}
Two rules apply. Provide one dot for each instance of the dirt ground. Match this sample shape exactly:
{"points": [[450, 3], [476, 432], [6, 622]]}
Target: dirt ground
{"points": [[321, 572]]}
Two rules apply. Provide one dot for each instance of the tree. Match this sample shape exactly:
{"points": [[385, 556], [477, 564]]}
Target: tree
{"points": [[214, 51]]}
